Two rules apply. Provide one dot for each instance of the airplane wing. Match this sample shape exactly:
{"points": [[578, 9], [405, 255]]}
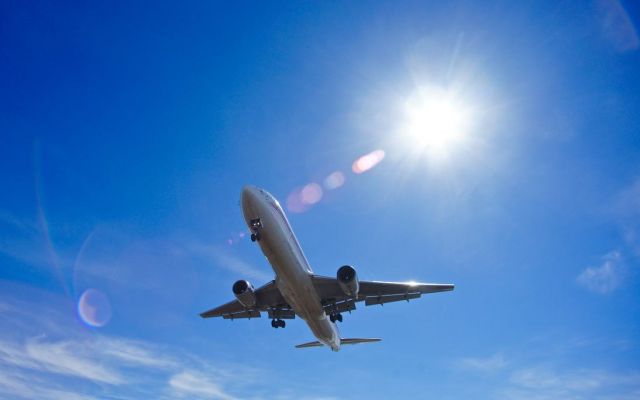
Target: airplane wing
{"points": [[372, 292], [268, 298]]}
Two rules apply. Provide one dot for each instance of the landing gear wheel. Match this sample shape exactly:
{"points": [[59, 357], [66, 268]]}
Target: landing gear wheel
{"points": [[278, 323], [332, 318], [255, 225], [339, 317]]}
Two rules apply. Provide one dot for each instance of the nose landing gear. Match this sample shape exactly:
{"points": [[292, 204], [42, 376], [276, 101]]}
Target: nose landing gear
{"points": [[335, 317], [255, 225], [278, 323]]}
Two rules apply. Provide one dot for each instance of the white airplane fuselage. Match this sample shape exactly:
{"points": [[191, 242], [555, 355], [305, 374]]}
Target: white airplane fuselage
{"points": [[293, 273]]}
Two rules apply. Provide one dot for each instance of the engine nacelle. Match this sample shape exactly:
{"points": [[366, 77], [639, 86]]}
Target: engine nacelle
{"points": [[244, 293], [348, 280]]}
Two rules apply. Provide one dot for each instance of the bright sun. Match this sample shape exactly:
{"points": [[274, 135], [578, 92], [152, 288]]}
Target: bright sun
{"points": [[435, 123]]}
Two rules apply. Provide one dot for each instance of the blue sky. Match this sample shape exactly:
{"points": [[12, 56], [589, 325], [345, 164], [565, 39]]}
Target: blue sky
{"points": [[128, 131]]}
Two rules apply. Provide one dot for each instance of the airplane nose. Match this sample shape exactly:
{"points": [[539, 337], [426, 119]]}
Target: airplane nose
{"points": [[248, 194], [247, 191]]}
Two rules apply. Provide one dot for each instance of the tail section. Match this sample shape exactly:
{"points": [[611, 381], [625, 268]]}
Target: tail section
{"points": [[342, 341]]}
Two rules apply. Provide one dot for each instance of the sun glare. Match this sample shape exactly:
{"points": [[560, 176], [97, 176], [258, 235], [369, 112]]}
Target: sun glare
{"points": [[435, 123]]}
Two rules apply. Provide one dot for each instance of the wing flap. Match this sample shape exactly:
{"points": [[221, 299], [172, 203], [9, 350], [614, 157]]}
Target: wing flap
{"points": [[231, 307], [281, 314], [329, 290], [245, 314], [373, 300], [343, 306], [374, 288]]}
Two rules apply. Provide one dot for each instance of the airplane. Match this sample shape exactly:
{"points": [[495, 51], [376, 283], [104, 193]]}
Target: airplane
{"points": [[296, 290]]}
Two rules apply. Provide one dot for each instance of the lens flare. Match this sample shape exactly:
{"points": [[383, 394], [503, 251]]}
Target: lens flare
{"points": [[301, 199], [368, 161], [94, 308], [311, 193], [334, 180], [295, 203]]}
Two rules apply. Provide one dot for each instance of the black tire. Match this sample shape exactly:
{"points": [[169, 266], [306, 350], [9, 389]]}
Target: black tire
{"points": [[253, 237], [339, 317]]}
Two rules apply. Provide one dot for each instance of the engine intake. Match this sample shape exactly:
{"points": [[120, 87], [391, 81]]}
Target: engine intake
{"points": [[244, 293], [348, 280]]}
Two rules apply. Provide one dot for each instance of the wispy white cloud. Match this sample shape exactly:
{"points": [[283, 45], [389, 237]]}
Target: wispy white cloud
{"points": [[68, 364], [132, 352], [604, 278], [626, 210], [226, 260], [617, 27], [627, 202], [492, 363], [545, 382], [20, 224], [192, 383], [24, 386], [22, 240], [45, 353], [112, 255], [123, 370], [70, 358], [128, 261], [519, 379]]}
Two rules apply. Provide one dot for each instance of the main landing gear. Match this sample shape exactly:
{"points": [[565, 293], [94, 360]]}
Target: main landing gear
{"points": [[278, 323], [255, 226], [335, 317]]}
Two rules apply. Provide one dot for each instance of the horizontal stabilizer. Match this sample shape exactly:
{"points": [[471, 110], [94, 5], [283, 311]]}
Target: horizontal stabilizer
{"points": [[309, 344], [359, 340], [342, 341]]}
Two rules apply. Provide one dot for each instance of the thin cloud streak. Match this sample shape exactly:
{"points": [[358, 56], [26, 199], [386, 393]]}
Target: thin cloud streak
{"points": [[533, 381], [617, 27], [97, 365], [225, 260], [190, 383], [544, 382], [489, 364], [625, 208], [604, 278], [71, 358], [23, 386]]}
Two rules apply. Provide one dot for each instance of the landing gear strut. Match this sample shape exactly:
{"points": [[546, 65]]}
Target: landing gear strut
{"points": [[335, 317], [278, 323], [255, 226]]}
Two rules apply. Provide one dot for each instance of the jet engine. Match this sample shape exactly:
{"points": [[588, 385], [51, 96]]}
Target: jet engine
{"points": [[348, 280], [244, 293]]}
